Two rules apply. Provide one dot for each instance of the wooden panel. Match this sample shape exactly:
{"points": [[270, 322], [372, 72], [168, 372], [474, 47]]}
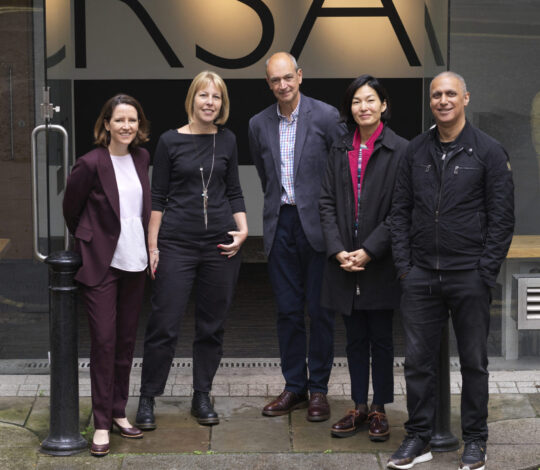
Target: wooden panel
{"points": [[525, 246]]}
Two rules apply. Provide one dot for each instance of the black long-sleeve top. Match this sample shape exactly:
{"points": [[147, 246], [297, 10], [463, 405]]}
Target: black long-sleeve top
{"points": [[177, 187]]}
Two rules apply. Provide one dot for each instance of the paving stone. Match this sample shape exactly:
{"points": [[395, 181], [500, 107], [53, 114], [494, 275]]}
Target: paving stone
{"points": [[220, 390], [297, 461], [335, 389], [15, 410], [170, 413], [275, 389], [39, 419], [238, 390], [504, 457], [12, 436], [257, 390], [164, 440], [13, 379], [260, 434], [241, 407], [9, 390], [440, 461], [515, 431], [309, 437], [82, 461], [534, 400], [38, 379], [182, 390], [18, 459], [509, 406]]}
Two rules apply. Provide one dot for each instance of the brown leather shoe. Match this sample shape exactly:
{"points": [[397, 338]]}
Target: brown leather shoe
{"points": [[129, 433], [379, 430], [319, 409], [285, 403], [99, 450], [350, 424]]}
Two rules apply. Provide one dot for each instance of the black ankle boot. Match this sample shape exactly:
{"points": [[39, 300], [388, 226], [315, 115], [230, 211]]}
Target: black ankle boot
{"points": [[145, 414], [202, 409]]}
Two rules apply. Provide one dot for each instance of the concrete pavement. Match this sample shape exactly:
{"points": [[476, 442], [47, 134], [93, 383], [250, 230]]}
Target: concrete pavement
{"points": [[246, 440]]}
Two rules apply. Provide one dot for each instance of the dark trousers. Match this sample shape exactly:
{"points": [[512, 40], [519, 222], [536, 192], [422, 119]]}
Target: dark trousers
{"points": [[369, 333], [181, 265], [428, 296], [296, 272], [113, 313]]}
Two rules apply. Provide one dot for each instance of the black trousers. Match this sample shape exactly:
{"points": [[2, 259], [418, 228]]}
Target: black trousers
{"points": [[427, 298], [296, 270], [182, 265], [369, 335]]}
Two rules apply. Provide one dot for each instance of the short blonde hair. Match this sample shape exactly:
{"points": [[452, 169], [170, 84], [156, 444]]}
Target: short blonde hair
{"points": [[202, 80]]}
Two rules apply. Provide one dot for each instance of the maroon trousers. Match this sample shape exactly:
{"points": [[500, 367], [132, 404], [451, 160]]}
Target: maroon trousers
{"points": [[113, 312]]}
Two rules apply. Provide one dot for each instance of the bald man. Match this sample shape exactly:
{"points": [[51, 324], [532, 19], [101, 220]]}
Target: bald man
{"points": [[289, 143], [452, 224]]}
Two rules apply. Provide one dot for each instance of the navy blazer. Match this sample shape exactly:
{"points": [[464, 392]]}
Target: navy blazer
{"points": [[92, 209], [317, 128]]}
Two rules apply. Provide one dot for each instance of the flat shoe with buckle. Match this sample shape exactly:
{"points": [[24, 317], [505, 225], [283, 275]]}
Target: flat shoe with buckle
{"points": [[129, 433]]}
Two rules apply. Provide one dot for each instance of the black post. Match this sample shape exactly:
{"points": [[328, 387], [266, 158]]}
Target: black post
{"points": [[442, 439], [64, 436]]}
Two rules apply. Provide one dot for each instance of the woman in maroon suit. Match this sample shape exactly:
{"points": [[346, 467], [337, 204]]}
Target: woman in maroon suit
{"points": [[107, 210]]}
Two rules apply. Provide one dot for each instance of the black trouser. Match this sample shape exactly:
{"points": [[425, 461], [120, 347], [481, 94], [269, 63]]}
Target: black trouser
{"points": [[181, 264], [369, 334], [296, 270], [428, 296]]}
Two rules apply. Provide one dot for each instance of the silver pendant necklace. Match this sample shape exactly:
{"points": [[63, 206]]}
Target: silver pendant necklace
{"points": [[205, 185]]}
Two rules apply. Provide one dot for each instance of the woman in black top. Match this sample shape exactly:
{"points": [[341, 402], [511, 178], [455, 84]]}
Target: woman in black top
{"points": [[197, 227], [360, 280]]}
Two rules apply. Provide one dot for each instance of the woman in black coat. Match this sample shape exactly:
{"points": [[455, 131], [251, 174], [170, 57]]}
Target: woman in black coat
{"points": [[360, 281]]}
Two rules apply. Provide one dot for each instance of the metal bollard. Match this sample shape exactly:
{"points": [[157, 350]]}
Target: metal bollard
{"points": [[442, 439], [64, 436]]}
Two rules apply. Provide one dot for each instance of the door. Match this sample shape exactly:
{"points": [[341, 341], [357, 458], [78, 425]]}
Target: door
{"points": [[33, 158]]}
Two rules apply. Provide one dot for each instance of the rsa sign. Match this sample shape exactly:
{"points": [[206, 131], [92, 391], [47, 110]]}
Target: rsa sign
{"points": [[175, 38]]}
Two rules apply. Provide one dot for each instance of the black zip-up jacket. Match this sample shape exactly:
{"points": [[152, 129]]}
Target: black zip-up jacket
{"points": [[456, 213]]}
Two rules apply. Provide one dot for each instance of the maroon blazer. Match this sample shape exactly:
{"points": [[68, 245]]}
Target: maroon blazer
{"points": [[92, 210]]}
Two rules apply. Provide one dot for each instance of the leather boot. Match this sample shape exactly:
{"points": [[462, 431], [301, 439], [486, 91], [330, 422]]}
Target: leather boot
{"points": [[145, 414], [202, 409]]}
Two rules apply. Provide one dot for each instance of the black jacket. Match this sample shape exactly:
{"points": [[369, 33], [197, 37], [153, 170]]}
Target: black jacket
{"points": [[378, 286], [459, 217]]}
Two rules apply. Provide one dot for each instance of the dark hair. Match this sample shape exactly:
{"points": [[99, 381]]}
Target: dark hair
{"points": [[372, 82], [103, 138]]}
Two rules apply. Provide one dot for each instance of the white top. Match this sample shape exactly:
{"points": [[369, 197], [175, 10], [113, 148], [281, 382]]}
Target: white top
{"points": [[130, 253]]}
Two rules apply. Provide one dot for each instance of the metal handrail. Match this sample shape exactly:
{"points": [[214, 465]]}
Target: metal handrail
{"points": [[56, 128]]}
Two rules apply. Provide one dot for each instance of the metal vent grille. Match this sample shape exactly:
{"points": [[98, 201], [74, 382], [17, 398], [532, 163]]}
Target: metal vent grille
{"points": [[41, 366], [529, 303]]}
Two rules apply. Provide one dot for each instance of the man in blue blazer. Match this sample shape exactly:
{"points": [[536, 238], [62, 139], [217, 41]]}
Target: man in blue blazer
{"points": [[289, 143]]}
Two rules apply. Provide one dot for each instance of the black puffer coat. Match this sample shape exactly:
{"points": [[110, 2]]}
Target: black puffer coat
{"points": [[378, 286], [459, 218]]}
